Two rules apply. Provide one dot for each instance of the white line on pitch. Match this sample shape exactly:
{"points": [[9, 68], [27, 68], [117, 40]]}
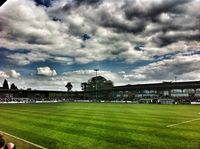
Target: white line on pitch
{"points": [[183, 122], [2, 132]]}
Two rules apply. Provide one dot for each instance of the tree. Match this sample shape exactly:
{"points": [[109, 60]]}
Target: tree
{"points": [[5, 84], [69, 86], [13, 86], [99, 83], [84, 86]]}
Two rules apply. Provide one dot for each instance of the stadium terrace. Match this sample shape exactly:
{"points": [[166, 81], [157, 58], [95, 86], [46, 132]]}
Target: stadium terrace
{"points": [[163, 93]]}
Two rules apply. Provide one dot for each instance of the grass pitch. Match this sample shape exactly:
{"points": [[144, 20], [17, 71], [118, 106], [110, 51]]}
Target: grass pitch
{"points": [[103, 125]]}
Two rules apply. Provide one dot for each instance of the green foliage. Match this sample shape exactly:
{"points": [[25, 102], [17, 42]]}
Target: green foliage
{"points": [[69, 86], [13, 86], [5, 84], [99, 83], [103, 125], [84, 86]]}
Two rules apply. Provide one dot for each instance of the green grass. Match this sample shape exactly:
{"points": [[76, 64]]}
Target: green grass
{"points": [[103, 125]]}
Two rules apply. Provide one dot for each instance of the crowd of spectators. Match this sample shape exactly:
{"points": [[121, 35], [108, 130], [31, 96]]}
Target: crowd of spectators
{"points": [[94, 99], [9, 99], [29, 100]]}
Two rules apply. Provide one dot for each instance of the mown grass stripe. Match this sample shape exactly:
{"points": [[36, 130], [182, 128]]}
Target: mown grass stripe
{"points": [[94, 122], [78, 131], [76, 116], [93, 125]]}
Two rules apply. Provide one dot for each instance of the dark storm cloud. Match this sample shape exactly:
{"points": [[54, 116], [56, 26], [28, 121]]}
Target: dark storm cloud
{"points": [[5, 62], [87, 2], [37, 41], [164, 40], [77, 3], [116, 26], [29, 38], [67, 7], [118, 50], [154, 9], [110, 21], [137, 18], [133, 17], [166, 27]]}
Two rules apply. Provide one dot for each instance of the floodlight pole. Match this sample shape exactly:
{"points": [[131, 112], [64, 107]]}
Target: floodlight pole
{"points": [[96, 81]]}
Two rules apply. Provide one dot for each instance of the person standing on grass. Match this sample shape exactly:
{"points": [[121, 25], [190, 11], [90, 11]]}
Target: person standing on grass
{"points": [[10, 146], [2, 141]]}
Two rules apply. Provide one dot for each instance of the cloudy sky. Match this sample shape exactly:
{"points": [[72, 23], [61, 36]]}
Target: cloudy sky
{"points": [[46, 43]]}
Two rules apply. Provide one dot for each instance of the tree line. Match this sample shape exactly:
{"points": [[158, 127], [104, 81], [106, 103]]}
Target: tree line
{"points": [[95, 83], [6, 86]]}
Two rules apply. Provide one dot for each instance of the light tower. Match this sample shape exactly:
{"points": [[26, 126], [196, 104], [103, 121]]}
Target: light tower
{"points": [[175, 79], [96, 70]]}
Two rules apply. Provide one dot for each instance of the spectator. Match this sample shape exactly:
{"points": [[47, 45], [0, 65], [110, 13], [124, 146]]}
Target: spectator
{"points": [[2, 141], [10, 146]]}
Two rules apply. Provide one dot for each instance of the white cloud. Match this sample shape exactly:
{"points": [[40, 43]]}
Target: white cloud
{"points": [[24, 59], [3, 74], [46, 71], [14, 74], [10, 74], [23, 24], [184, 67], [115, 27]]}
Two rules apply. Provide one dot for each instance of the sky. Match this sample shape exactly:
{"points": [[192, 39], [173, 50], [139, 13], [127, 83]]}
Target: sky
{"points": [[46, 43]]}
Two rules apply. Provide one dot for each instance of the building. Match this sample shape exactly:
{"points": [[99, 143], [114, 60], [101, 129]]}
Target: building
{"points": [[165, 92]]}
